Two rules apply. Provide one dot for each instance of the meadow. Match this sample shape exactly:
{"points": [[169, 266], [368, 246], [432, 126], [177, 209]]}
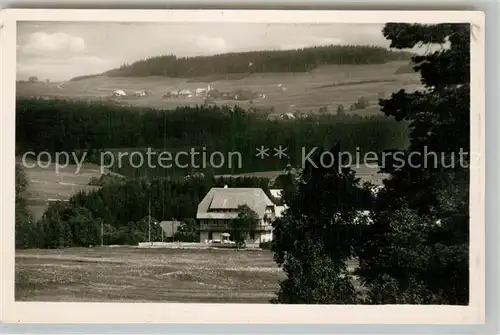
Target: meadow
{"points": [[327, 85], [128, 274]]}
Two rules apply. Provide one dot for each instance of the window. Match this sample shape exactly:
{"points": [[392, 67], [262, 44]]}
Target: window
{"points": [[210, 235], [252, 235]]}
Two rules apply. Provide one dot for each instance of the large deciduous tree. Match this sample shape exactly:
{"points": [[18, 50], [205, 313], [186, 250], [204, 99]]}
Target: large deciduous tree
{"points": [[246, 221]]}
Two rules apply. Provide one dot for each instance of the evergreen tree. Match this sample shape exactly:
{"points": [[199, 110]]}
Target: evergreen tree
{"points": [[85, 229], [417, 249], [236, 65], [315, 236], [340, 109], [26, 232]]}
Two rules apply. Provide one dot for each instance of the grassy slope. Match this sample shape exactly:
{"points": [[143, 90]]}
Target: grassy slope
{"points": [[327, 85], [45, 184]]}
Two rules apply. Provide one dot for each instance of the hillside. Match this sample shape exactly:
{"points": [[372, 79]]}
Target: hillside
{"points": [[291, 61], [327, 85]]}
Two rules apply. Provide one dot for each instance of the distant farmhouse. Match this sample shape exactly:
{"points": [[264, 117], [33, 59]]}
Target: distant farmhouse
{"points": [[185, 93], [140, 93], [220, 206], [119, 93]]}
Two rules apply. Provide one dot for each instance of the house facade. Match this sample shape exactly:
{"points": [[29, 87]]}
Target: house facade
{"points": [[220, 206]]}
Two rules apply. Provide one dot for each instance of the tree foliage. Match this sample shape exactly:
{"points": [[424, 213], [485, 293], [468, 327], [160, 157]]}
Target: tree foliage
{"points": [[26, 230], [417, 250], [316, 234], [89, 128], [187, 231], [122, 207], [240, 227], [298, 60]]}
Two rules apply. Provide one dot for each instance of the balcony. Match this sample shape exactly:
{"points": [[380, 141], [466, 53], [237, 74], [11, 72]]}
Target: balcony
{"points": [[224, 227]]}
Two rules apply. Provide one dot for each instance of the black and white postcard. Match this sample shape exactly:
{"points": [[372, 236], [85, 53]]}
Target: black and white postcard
{"points": [[242, 166]]}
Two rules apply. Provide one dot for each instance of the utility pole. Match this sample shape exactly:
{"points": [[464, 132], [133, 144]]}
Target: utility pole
{"points": [[149, 221], [102, 233]]}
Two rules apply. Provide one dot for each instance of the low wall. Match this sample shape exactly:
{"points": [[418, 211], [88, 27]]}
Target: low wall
{"points": [[189, 245]]}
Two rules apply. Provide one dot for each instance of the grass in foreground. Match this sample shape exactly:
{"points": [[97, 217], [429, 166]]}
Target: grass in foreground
{"points": [[127, 274]]}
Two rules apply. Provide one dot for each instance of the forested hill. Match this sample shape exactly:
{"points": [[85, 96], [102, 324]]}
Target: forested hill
{"points": [[297, 60]]}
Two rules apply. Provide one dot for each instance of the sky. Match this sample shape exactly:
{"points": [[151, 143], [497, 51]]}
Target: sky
{"points": [[59, 51]]}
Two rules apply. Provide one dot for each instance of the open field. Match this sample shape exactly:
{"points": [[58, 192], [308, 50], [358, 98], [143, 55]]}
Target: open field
{"points": [[325, 86], [128, 274], [367, 173], [46, 185]]}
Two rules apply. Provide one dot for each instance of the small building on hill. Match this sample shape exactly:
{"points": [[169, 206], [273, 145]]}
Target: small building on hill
{"points": [[287, 116], [140, 93], [185, 93], [220, 206], [119, 93]]}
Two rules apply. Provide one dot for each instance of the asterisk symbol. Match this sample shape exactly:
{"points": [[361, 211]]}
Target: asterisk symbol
{"points": [[262, 152], [280, 152]]}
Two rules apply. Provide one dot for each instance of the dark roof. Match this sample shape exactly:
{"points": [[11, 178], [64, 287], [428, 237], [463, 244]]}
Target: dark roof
{"points": [[170, 227], [221, 203]]}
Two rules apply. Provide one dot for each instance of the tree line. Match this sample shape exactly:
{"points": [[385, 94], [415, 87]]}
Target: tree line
{"points": [[121, 212], [296, 60], [93, 127], [25, 226]]}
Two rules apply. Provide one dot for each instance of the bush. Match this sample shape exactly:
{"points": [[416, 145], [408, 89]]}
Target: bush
{"points": [[362, 103], [340, 110], [266, 245]]}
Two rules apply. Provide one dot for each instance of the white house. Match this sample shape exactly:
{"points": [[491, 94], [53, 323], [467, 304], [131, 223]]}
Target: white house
{"points": [[140, 93], [202, 92], [119, 93], [220, 206], [282, 88], [185, 93], [287, 116]]}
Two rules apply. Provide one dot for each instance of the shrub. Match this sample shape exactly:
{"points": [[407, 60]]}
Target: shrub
{"points": [[266, 245]]}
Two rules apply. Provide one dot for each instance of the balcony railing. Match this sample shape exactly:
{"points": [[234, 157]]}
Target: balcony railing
{"points": [[206, 226]]}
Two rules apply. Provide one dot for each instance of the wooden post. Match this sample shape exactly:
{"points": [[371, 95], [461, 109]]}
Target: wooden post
{"points": [[102, 234], [149, 221]]}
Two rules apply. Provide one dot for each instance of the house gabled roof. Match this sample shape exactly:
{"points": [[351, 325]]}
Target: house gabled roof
{"points": [[169, 227], [222, 203]]}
